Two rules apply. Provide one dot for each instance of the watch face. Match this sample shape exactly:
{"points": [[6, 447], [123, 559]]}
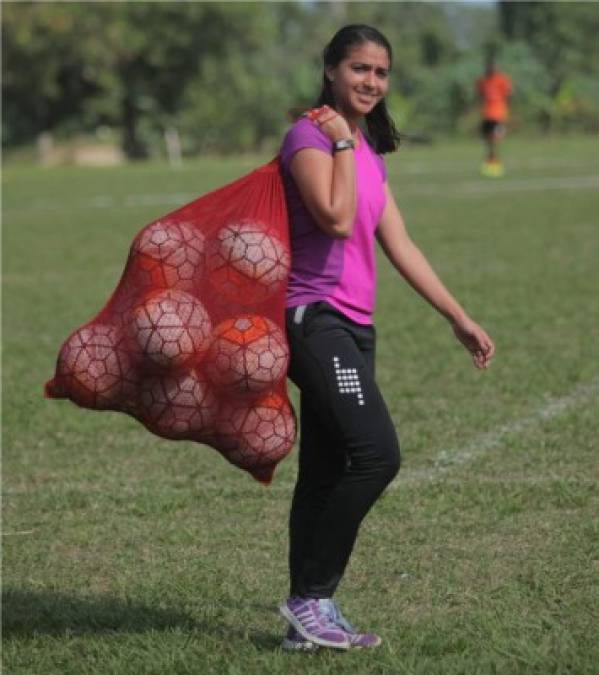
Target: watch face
{"points": [[343, 144]]}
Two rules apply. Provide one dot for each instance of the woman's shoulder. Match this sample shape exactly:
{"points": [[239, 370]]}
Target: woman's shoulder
{"points": [[304, 126], [303, 134]]}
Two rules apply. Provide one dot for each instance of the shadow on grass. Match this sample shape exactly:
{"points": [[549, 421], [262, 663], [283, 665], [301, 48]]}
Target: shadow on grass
{"points": [[27, 613]]}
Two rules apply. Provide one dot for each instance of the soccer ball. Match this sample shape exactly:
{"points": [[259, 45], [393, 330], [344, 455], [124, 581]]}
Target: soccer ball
{"points": [[169, 255], [248, 355], [171, 327], [93, 368], [179, 406], [258, 435], [246, 262]]}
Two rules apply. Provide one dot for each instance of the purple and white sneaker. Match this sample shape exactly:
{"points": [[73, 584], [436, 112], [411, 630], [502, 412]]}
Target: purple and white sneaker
{"points": [[294, 642], [356, 640], [306, 616]]}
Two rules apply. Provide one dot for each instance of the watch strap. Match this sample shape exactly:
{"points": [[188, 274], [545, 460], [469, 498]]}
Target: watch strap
{"points": [[343, 144]]}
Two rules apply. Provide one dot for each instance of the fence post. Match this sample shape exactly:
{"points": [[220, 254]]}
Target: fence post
{"points": [[173, 147]]}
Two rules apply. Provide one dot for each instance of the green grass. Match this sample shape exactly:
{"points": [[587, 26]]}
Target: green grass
{"points": [[127, 554]]}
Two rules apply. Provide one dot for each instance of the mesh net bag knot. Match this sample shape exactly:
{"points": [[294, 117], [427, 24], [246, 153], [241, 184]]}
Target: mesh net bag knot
{"points": [[192, 341]]}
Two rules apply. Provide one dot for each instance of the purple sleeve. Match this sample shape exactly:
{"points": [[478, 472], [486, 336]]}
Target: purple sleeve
{"points": [[303, 134]]}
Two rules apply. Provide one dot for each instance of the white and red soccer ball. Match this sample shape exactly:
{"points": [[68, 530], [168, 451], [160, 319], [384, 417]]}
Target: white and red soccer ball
{"points": [[248, 355], [247, 262], [180, 406], [94, 367], [256, 435], [169, 254], [171, 328]]}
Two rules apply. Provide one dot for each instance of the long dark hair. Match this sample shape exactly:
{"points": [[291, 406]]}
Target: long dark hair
{"points": [[381, 129]]}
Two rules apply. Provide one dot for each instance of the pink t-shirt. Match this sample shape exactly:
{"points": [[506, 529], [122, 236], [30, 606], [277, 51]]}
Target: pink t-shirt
{"points": [[340, 271]]}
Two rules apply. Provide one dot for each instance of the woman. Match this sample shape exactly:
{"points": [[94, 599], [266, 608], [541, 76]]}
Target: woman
{"points": [[339, 201]]}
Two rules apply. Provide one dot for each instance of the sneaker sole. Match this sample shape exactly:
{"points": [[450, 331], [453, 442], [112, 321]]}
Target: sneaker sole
{"points": [[374, 645], [287, 614], [294, 646]]}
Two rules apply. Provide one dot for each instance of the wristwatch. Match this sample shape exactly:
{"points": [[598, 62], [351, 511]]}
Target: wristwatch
{"points": [[343, 144]]}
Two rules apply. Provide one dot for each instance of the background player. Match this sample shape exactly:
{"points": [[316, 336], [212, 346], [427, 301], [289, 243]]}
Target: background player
{"points": [[494, 91]]}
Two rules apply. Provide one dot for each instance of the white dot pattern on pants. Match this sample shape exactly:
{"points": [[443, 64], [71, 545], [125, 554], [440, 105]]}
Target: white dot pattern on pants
{"points": [[348, 380]]}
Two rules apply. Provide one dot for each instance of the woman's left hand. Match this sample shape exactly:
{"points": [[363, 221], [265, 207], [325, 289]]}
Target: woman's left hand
{"points": [[476, 341]]}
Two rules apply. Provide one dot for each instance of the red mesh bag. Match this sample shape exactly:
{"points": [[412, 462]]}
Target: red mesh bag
{"points": [[192, 341]]}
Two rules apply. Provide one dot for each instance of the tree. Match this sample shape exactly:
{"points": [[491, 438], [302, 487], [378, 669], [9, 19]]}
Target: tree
{"points": [[112, 63], [563, 35], [44, 79], [563, 38]]}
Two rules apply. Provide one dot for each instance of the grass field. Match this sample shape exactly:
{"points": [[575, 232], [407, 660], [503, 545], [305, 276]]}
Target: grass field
{"points": [[127, 554]]}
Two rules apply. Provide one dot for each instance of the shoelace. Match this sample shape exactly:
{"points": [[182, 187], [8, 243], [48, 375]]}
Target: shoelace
{"points": [[331, 610], [313, 619], [316, 616]]}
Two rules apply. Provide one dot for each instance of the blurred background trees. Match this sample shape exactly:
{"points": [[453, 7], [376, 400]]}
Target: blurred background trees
{"points": [[224, 75]]}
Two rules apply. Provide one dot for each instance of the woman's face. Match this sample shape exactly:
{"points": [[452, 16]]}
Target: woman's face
{"points": [[361, 79]]}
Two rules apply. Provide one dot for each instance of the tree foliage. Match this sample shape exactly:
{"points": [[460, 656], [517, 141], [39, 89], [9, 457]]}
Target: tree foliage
{"points": [[226, 73], [558, 40]]}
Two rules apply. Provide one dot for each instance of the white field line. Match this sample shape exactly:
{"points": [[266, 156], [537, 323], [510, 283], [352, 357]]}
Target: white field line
{"points": [[495, 186], [472, 188], [416, 168], [452, 458], [142, 200], [445, 461], [107, 202], [479, 446]]}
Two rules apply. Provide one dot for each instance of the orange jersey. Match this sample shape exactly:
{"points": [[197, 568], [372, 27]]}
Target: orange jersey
{"points": [[494, 91]]}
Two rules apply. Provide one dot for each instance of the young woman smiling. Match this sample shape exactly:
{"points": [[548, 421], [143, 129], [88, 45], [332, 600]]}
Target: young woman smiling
{"points": [[340, 203]]}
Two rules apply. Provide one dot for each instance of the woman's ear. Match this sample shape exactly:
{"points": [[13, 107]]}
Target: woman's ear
{"points": [[329, 73]]}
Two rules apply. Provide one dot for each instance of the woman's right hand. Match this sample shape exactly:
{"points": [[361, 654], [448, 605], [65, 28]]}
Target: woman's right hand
{"points": [[330, 122]]}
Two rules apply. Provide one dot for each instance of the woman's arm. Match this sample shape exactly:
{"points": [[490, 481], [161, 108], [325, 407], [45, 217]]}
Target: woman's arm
{"points": [[409, 260], [328, 184]]}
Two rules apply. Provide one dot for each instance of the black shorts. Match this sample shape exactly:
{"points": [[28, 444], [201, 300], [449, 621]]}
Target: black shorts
{"points": [[492, 128]]}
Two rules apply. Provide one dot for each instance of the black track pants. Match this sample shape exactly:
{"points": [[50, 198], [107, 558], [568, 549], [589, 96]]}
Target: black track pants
{"points": [[349, 450]]}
